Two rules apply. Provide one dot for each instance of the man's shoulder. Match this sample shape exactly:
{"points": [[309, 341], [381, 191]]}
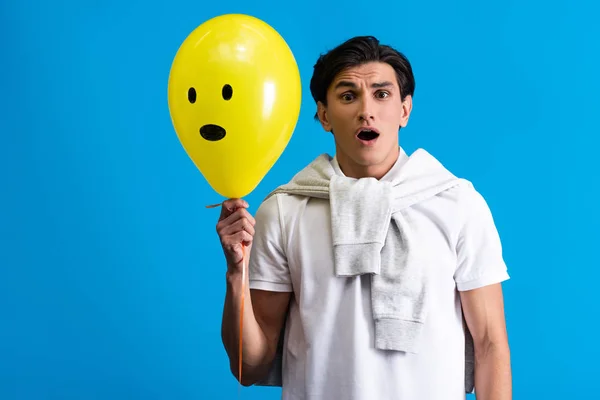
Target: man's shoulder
{"points": [[463, 193], [469, 206], [460, 204], [281, 205], [469, 197]]}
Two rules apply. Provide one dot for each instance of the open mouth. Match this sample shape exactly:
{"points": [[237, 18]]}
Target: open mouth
{"points": [[212, 132], [367, 135]]}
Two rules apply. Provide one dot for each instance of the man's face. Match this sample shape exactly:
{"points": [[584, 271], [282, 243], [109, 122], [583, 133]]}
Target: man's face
{"points": [[365, 111]]}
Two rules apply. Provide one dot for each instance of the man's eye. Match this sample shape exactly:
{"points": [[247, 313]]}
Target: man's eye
{"points": [[382, 94], [347, 97]]}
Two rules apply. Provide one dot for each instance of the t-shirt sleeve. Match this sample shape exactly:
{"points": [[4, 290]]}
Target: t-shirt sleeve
{"points": [[268, 267], [479, 249]]}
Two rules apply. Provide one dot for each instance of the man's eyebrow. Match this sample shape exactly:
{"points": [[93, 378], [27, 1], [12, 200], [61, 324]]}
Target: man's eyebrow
{"points": [[345, 84], [384, 84], [352, 85]]}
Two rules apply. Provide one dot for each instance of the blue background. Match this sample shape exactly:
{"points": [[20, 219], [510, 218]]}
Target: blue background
{"points": [[111, 274]]}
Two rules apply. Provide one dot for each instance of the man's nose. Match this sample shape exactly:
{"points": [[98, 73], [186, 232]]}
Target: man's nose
{"points": [[366, 113], [366, 116]]}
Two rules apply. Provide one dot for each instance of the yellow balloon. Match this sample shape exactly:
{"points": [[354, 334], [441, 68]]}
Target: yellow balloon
{"points": [[234, 97]]}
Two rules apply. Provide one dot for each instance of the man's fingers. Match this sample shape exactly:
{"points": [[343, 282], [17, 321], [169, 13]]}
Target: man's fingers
{"points": [[240, 213], [242, 224], [235, 227], [232, 242], [229, 206]]}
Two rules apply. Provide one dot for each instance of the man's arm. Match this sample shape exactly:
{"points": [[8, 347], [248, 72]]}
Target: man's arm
{"points": [[484, 313], [264, 316], [264, 311]]}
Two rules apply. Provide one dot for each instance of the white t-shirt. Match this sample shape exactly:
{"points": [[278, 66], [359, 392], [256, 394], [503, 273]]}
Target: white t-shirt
{"points": [[329, 351]]}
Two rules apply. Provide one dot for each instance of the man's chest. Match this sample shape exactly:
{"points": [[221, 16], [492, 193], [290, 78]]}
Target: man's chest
{"points": [[309, 246]]}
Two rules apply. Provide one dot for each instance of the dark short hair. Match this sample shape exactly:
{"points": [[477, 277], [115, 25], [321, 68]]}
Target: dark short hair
{"points": [[354, 52]]}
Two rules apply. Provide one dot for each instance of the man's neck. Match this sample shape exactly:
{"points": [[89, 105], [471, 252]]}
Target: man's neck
{"points": [[357, 171]]}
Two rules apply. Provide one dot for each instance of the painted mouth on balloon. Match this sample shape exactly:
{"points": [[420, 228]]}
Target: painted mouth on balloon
{"points": [[212, 132]]}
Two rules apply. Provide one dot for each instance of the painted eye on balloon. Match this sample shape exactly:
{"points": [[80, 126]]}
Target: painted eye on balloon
{"points": [[227, 92], [192, 95]]}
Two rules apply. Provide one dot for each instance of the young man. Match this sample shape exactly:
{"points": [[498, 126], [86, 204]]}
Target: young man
{"points": [[380, 271]]}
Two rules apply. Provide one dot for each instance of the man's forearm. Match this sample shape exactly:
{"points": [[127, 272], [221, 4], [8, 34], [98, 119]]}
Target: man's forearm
{"points": [[254, 342], [493, 376]]}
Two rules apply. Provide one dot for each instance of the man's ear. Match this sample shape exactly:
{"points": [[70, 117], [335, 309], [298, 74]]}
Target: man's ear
{"points": [[322, 114], [406, 110]]}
